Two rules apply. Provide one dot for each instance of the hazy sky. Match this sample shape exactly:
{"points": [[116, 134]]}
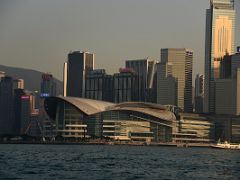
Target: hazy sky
{"points": [[38, 34]]}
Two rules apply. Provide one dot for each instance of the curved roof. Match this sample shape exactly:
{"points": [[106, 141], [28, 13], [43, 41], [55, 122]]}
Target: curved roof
{"points": [[90, 107], [151, 109], [87, 106]]}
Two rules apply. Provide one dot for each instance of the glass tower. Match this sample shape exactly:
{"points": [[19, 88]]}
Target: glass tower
{"points": [[219, 41], [79, 63]]}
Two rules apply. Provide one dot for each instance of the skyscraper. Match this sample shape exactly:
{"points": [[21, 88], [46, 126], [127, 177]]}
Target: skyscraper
{"points": [[99, 85], [65, 79], [166, 85], [79, 63], [227, 88], [181, 68], [6, 105], [2, 74], [22, 107], [126, 85], [145, 69], [48, 85], [219, 40], [18, 84], [199, 92]]}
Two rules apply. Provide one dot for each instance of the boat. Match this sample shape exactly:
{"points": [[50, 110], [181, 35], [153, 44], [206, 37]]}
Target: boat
{"points": [[226, 145]]}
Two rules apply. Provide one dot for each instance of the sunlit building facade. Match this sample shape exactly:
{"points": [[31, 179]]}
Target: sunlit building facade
{"points": [[181, 61], [194, 128], [219, 41]]}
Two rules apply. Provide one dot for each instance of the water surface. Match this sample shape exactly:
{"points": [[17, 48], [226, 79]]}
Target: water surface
{"points": [[116, 162]]}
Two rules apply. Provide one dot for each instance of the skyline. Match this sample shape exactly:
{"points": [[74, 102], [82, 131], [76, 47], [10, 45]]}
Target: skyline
{"points": [[39, 35]]}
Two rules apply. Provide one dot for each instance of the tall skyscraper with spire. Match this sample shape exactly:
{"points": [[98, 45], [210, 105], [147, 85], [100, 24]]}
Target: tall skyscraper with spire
{"points": [[219, 41]]}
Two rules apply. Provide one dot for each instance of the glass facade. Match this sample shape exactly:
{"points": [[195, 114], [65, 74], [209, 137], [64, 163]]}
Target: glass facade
{"points": [[135, 126], [70, 122], [78, 64], [119, 125], [195, 129], [219, 41]]}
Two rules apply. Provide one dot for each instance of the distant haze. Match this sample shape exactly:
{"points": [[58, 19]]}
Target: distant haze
{"points": [[38, 34]]}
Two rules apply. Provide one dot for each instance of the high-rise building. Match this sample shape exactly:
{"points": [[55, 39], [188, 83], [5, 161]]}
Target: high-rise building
{"points": [[2, 74], [145, 69], [219, 41], [18, 93], [18, 84], [6, 105], [24, 110], [229, 66], [199, 93], [99, 85], [227, 88], [25, 114], [166, 85], [79, 63], [65, 66], [181, 69], [48, 85], [126, 86]]}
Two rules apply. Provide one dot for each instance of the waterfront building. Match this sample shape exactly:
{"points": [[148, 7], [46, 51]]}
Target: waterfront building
{"points": [[6, 105], [195, 128], [235, 130], [79, 63], [181, 69], [130, 121], [126, 85], [99, 85], [146, 70], [48, 86], [219, 41], [199, 93]]}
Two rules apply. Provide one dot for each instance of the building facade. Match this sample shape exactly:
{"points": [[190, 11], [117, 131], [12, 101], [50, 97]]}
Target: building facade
{"points": [[227, 90], [145, 69], [199, 93], [99, 85], [48, 85], [219, 41], [18, 84], [166, 85], [79, 63], [195, 128], [181, 69], [6, 105], [131, 121], [126, 86]]}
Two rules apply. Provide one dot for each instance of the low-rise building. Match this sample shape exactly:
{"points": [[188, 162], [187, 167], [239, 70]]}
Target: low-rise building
{"points": [[131, 121]]}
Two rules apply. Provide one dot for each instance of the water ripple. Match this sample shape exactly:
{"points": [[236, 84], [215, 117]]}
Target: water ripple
{"points": [[116, 162]]}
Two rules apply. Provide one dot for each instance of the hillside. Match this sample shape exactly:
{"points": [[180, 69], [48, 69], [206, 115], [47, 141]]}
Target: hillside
{"points": [[31, 77]]}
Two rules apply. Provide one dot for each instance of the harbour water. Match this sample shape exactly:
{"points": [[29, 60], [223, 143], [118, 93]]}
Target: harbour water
{"points": [[116, 162]]}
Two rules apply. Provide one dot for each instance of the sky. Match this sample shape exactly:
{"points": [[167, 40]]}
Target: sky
{"points": [[38, 34]]}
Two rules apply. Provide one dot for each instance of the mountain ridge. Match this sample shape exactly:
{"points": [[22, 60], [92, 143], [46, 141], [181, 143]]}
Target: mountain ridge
{"points": [[32, 78]]}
